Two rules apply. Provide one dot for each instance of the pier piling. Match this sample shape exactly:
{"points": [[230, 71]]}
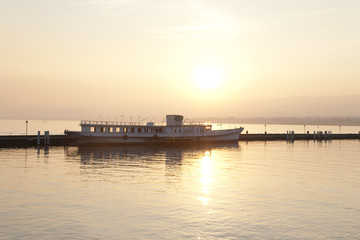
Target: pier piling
{"points": [[46, 138], [38, 138]]}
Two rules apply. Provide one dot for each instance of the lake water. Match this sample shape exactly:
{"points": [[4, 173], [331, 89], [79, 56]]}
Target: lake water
{"points": [[254, 190]]}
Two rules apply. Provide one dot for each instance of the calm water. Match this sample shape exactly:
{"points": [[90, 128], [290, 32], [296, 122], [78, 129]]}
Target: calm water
{"points": [[255, 190]]}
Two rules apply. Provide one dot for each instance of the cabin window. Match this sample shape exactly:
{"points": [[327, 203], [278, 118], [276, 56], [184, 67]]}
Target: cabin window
{"points": [[92, 129], [117, 129], [179, 130], [146, 130], [132, 130], [175, 130], [102, 129], [111, 129], [125, 129], [139, 130]]}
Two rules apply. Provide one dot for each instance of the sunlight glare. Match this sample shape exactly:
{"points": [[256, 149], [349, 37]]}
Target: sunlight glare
{"points": [[208, 78]]}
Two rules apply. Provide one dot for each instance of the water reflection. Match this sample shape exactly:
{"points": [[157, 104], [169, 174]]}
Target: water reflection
{"points": [[130, 155], [126, 163], [206, 177], [196, 170]]}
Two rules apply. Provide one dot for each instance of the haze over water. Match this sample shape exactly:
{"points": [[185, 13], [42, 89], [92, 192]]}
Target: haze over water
{"points": [[18, 127], [255, 190]]}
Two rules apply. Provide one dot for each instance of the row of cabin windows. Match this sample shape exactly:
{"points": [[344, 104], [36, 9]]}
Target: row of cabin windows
{"points": [[198, 130], [138, 130], [125, 129]]}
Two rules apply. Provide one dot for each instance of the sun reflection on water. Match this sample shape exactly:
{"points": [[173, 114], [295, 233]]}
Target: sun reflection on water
{"points": [[206, 178]]}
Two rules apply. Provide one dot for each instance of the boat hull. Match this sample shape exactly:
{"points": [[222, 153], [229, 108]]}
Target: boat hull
{"points": [[216, 136]]}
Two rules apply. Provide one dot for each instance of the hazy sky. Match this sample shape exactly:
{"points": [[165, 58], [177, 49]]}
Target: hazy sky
{"points": [[84, 58]]}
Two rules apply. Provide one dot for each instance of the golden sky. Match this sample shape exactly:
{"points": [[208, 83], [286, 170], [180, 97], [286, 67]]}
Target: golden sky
{"points": [[83, 58]]}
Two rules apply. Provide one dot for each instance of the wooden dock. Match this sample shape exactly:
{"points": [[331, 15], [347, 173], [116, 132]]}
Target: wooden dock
{"points": [[32, 140], [72, 140], [297, 136]]}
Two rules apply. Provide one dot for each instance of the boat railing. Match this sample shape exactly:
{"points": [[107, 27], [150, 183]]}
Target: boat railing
{"points": [[110, 123], [87, 122], [196, 124]]}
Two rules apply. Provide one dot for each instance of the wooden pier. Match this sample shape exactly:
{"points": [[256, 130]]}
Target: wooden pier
{"points": [[297, 136], [72, 140], [35, 140]]}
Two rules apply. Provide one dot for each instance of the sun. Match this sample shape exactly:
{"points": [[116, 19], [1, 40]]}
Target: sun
{"points": [[208, 77]]}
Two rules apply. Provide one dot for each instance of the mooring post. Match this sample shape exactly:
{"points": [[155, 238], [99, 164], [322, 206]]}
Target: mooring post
{"points": [[265, 128], [47, 138], [38, 138]]}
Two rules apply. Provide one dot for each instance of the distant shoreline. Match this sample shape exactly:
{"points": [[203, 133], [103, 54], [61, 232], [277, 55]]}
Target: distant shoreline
{"points": [[334, 121]]}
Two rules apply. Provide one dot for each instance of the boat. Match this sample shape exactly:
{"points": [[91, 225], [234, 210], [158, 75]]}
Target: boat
{"points": [[175, 131]]}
